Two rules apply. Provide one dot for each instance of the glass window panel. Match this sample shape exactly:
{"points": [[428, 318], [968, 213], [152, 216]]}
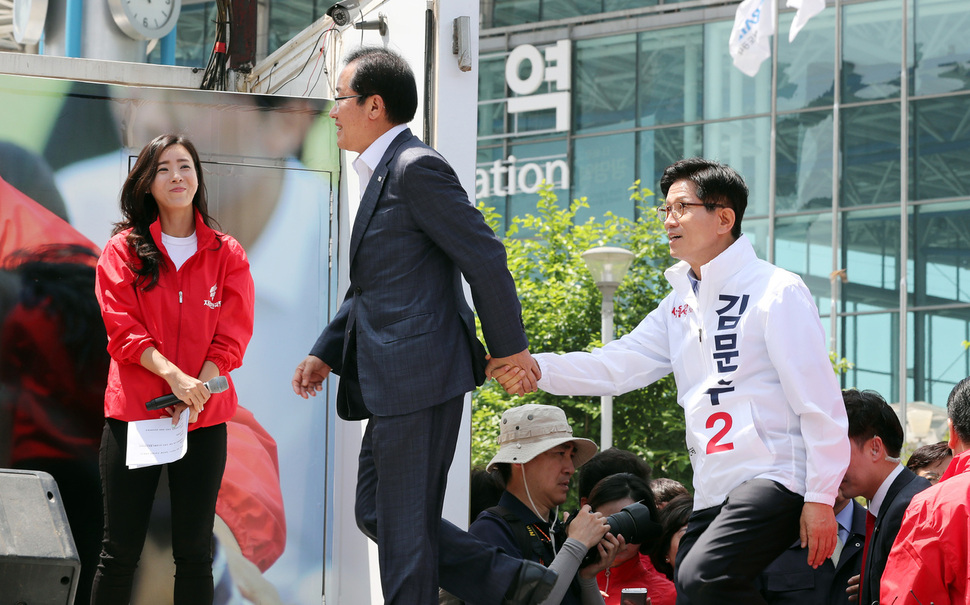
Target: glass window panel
{"points": [[803, 245], [806, 67], [940, 361], [728, 92], [743, 145], [870, 155], [870, 342], [193, 36], [287, 18], [491, 78], [491, 118], [871, 47], [661, 147], [870, 256], [803, 170], [563, 9], [941, 148], [756, 231], [533, 121], [617, 5], [670, 71], [942, 52], [511, 12], [940, 253], [603, 169], [604, 90]]}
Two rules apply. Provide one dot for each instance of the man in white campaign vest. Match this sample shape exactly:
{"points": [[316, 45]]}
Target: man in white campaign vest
{"points": [[766, 428]]}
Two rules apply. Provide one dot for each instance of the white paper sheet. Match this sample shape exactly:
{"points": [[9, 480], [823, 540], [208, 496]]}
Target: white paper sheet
{"points": [[153, 442]]}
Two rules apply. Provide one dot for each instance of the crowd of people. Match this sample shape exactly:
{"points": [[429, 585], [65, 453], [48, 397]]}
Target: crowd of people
{"points": [[907, 553]]}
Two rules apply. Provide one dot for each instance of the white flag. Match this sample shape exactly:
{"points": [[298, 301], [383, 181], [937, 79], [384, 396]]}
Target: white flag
{"points": [[750, 44], [806, 10]]}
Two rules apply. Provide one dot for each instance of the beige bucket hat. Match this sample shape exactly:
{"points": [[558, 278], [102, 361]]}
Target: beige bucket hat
{"points": [[532, 429]]}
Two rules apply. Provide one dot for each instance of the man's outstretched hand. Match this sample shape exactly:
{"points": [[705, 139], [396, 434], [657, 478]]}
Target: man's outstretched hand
{"points": [[518, 374]]}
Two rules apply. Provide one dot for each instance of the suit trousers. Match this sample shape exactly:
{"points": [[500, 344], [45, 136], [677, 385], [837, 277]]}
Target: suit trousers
{"points": [[726, 547], [128, 495], [402, 473]]}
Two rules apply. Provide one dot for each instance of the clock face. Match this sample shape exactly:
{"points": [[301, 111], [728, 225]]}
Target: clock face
{"points": [[28, 20], [145, 19]]}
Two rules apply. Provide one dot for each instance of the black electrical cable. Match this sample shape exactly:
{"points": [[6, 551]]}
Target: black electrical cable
{"points": [[216, 76]]}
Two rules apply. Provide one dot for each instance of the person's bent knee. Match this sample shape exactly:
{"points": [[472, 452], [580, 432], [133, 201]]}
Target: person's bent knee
{"points": [[696, 576]]}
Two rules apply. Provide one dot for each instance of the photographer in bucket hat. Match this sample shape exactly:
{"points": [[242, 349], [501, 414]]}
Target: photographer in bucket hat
{"points": [[537, 457]]}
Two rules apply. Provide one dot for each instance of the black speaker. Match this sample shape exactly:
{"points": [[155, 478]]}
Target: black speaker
{"points": [[39, 564]]}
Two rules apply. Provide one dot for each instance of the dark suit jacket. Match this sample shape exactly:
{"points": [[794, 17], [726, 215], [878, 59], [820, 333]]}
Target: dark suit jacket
{"points": [[902, 490], [790, 581], [415, 235]]}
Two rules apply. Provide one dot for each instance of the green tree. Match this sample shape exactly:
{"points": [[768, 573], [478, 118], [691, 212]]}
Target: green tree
{"points": [[561, 313]]}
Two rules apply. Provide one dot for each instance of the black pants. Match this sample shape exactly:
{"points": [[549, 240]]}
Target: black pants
{"points": [[726, 547], [128, 495]]}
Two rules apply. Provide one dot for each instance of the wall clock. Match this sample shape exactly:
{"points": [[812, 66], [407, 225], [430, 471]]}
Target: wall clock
{"points": [[145, 19]]}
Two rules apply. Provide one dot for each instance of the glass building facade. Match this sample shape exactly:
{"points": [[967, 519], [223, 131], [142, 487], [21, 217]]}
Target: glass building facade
{"points": [[859, 171]]}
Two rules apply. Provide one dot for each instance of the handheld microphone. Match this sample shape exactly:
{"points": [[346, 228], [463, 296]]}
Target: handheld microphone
{"points": [[215, 385]]}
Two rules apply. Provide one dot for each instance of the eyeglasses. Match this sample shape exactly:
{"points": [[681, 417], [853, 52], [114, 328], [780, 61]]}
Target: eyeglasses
{"points": [[349, 97], [677, 209]]}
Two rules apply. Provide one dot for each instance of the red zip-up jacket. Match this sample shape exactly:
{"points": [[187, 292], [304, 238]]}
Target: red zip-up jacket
{"points": [[202, 312], [930, 561]]}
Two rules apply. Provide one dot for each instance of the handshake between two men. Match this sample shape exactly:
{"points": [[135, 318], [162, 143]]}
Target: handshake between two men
{"points": [[518, 374]]}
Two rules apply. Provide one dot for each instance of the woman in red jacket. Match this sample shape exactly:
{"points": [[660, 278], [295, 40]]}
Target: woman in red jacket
{"points": [[177, 301], [631, 568]]}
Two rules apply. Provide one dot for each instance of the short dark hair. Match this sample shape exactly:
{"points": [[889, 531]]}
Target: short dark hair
{"points": [[504, 470], [485, 489], [385, 73], [870, 416], [610, 462], [958, 409], [716, 184], [665, 489], [927, 455]]}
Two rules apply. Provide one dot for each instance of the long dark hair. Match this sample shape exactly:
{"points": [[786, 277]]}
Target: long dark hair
{"points": [[139, 208]]}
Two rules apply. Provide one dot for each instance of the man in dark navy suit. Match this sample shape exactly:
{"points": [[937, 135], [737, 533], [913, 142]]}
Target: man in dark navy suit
{"points": [[875, 472], [404, 342], [790, 580]]}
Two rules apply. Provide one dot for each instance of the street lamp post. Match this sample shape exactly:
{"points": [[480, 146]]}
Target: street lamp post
{"points": [[607, 265]]}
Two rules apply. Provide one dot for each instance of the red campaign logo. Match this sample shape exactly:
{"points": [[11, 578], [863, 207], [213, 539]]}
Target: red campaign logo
{"points": [[680, 311]]}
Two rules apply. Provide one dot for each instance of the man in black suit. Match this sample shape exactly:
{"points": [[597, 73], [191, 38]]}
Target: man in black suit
{"points": [[404, 343], [790, 580], [875, 472]]}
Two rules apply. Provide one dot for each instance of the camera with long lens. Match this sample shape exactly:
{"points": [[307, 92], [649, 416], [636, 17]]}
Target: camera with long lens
{"points": [[634, 523]]}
